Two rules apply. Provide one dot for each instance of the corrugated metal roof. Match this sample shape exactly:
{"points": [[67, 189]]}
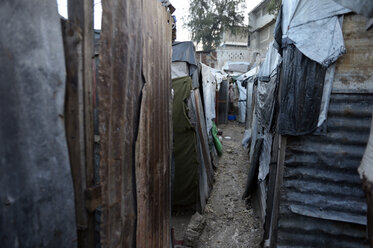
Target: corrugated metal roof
{"points": [[322, 202]]}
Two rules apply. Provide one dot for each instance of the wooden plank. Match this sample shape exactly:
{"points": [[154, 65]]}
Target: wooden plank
{"points": [[119, 93], [201, 127], [74, 120], [81, 14], [153, 146]]}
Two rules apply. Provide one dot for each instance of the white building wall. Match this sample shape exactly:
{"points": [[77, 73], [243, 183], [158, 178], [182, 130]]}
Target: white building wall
{"points": [[231, 53]]}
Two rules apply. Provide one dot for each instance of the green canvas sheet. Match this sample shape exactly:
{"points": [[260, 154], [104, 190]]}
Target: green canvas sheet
{"points": [[186, 163]]}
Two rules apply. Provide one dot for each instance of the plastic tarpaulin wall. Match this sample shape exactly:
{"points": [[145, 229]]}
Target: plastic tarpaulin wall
{"points": [[267, 88], [315, 195], [185, 146], [179, 69], [211, 79], [37, 198], [301, 89], [241, 102], [185, 52], [313, 27]]}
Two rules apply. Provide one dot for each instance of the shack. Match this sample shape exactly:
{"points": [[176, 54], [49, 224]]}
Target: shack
{"points": [[310, 126], [193, 171]]}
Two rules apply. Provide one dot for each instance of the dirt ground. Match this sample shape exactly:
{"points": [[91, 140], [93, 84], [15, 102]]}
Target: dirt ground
{"points": [[229, 221]]}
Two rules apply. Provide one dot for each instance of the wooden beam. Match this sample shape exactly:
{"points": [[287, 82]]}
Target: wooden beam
{"points": [[80, 13]]}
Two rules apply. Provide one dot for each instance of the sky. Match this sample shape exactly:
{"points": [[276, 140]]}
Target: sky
{"points": [[62, 9], [181, 13]]}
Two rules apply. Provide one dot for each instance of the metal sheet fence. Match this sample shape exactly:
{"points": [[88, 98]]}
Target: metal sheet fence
{"points": [[322, 203]]}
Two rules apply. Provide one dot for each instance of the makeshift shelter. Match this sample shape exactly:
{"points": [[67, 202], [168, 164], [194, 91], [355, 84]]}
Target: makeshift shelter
{"points": [[193, 172], [309, 127]]}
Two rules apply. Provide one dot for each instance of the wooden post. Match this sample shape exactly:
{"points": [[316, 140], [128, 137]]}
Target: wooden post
{"points": [[80, 13]]}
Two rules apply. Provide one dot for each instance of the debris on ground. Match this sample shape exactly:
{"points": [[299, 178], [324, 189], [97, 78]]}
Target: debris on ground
{"points": [[196, 225]]}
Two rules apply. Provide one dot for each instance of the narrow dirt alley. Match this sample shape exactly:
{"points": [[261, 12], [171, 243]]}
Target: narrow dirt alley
{"points": [[229, 221]]}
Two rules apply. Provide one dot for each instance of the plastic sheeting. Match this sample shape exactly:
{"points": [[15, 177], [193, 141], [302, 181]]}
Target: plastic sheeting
{"points": [[249, 102], [246, 138], [211, 79], [314, 28], [366, 169], [236, 66], [328, 85], [37, 197], [185, 150], [265, 156], [185, 52], [253, 71], [267, 88], [241, 102], [301, 89], [179, 69]]}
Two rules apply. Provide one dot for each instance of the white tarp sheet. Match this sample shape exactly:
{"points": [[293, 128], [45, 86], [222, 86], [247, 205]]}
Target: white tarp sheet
{"points": [[179, 69], [236, 66], [211, 80], [241, 102], [314, 28]]}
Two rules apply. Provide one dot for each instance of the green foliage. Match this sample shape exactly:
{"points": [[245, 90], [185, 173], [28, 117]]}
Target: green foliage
{"points": [[209, 18], [274, 6]]}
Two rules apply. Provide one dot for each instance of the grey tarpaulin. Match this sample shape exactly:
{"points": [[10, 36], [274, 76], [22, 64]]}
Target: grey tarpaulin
{"points": [[265, 156], [236, 66], [179, 69], [328, 85], [185, 51], [314, 28], [266, 90], [253, 171], [301, 88], [249, 102], [268, 68], [246, 138], [37, 197]]}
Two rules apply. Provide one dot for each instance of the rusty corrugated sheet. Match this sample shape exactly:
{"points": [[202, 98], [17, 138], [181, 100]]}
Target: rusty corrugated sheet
{"points": [[322, 203], [134, 95]]}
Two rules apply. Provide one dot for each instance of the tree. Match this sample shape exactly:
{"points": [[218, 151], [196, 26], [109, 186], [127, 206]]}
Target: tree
{"points": [[209, 18], [273, 6]]}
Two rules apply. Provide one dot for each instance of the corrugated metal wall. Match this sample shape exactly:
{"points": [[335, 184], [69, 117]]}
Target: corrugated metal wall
{"points": [[135, 125], [322, 203]]}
